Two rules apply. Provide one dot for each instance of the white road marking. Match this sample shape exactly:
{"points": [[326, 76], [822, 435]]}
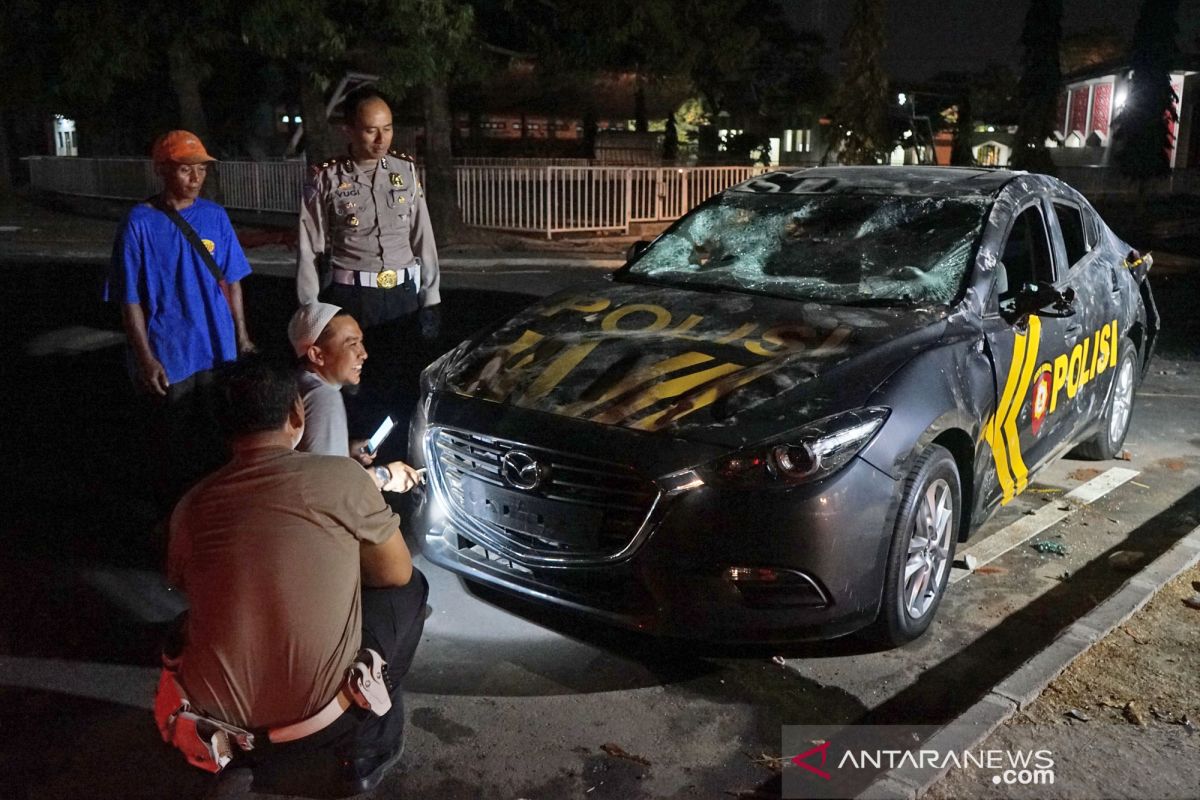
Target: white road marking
{"points": [[1027, 527]]}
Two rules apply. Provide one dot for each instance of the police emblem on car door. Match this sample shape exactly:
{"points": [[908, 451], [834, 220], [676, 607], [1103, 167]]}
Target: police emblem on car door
{"points": [[1023, 327]]}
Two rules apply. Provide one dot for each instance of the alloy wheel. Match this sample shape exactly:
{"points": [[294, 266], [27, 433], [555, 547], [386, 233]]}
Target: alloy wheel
{"points": [[928, 549], [1122, 402]]}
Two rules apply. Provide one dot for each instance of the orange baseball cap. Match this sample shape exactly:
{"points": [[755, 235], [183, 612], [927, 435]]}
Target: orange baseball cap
{"points": [[179, 147]]}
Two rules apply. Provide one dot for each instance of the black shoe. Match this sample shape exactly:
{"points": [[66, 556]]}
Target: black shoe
{"points": [[365, 773]]}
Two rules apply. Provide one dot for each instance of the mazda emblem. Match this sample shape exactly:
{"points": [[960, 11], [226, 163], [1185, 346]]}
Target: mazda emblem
{"points": [[521, 470]]}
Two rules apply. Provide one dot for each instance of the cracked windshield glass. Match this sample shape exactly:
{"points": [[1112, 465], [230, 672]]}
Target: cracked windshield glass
{"points": [[842, 249]]}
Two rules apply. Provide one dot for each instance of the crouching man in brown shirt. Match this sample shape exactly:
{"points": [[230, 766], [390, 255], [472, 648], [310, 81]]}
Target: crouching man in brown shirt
{"points": [[291, 563]]}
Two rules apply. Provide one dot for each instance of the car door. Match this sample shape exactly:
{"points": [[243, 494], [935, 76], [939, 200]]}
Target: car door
{"points": [[1080, 375], [1029, 422]]}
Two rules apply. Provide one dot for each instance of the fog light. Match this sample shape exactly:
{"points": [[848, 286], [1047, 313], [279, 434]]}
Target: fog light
{"points": [[771, 587], [752, 574]]}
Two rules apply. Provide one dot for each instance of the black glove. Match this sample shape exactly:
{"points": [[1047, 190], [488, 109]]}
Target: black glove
{"points": [[430, 319]]}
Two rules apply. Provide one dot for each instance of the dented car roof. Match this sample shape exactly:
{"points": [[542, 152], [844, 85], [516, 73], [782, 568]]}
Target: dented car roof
{"points": [[925, 181]]}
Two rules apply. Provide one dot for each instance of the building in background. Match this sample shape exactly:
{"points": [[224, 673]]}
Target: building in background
{"points": [[1092, 99], [63, 137]]}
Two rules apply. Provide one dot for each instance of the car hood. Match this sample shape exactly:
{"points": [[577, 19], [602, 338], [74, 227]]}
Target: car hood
{"points": [[716, 367]]}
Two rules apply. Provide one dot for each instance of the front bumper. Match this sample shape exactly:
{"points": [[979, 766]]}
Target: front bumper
{"points": [[832, 537]]}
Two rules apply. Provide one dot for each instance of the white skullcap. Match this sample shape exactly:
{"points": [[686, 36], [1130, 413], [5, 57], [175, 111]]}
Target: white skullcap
{"points": [[307, 323]]}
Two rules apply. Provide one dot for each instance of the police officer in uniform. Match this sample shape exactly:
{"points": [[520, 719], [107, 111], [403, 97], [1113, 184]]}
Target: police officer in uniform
{"points": [[366, 213]]}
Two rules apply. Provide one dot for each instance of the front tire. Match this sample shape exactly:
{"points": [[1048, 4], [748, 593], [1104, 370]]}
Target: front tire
{"points": [[1114, 422], [922, 550]]}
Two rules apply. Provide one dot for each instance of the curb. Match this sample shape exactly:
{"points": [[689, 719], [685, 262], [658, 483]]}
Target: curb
{"points": [[1026, 683]]}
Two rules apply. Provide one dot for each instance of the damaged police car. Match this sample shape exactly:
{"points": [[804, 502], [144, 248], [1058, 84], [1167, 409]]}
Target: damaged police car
{"points": [[783, 414]]}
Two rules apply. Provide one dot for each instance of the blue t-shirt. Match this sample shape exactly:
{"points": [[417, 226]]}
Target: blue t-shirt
{"points": [[188, 320]]}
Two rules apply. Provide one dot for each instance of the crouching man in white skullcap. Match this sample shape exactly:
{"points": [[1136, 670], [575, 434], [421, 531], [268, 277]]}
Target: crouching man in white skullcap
{"points": [[329, 345]]}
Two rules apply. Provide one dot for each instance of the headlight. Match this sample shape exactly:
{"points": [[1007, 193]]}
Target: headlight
{"points": [[810, 453]]}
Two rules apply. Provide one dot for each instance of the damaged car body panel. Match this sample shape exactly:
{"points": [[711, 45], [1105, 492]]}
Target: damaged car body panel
{"points": [[780, 418]]}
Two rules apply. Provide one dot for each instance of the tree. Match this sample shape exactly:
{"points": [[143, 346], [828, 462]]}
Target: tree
{"points": [[26, 91], [861, 102], [130, 41], [670, 149], [1091, 47], [1037, 90], [964, 126], [429, 43], [1142, 131], [712, 44], [414, 46]]}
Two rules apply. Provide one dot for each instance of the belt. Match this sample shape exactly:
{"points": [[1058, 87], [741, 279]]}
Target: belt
{"points": [[317, 722], [384, 279], [170, 704]]}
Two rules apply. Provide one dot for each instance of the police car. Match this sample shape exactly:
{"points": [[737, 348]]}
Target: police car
{"points": [[783, 415]]}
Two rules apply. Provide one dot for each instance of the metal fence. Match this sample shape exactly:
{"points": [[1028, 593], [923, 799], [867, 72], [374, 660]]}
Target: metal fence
{"points": [[666, 193], [117, 178], [482, 161], [262, 185], [530, 199]]}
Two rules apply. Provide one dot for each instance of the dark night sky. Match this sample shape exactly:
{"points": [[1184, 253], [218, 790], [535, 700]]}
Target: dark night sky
{"points": [[929, 36]]}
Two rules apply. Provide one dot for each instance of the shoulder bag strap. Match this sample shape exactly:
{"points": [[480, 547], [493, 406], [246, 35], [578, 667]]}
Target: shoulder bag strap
{"points": [[190, 234]]}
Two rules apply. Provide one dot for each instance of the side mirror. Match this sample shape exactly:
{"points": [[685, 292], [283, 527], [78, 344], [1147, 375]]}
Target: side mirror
{"points": [[1138, 264], [1044, 300], [636, 249]]}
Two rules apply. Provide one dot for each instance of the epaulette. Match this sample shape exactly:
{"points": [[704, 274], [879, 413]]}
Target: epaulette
{"points": [[342, 161], [399, 154]]}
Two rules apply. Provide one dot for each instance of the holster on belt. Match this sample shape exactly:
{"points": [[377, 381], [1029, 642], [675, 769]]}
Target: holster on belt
{"points": [[204, 741]]}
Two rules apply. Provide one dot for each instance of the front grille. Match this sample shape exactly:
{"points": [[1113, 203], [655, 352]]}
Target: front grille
{"points": [[584, 509]]}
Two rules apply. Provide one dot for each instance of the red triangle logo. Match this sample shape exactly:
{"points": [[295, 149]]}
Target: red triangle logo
{"points": [[823, 749]]}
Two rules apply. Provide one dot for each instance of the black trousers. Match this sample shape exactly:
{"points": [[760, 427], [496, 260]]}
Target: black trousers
{"points": [[371, 306], [183, 443]]}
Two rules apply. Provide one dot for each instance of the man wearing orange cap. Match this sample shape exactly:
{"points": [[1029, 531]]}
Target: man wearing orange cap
{"points": [[176, 271]]}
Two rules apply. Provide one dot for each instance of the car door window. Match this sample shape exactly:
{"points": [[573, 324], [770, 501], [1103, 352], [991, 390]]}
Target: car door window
{"points": [[1070, 222], [1026, 256]]}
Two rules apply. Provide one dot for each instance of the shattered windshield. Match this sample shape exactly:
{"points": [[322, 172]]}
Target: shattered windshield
{"points": [[839, 248]]}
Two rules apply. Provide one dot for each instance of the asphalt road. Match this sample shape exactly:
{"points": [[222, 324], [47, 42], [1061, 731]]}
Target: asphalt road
{"points": [[505, 700]]}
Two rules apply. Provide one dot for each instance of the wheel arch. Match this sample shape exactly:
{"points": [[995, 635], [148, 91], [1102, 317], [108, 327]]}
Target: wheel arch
{"points": [[962, 448]]}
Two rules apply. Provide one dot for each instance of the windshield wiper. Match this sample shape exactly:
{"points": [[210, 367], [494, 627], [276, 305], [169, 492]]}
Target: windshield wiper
{"points": [[633, 277], [879, 302]]}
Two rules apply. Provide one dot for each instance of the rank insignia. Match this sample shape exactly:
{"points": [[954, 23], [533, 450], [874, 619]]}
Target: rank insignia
{"points": [[397, 181], [352, 221], [343, 186]]}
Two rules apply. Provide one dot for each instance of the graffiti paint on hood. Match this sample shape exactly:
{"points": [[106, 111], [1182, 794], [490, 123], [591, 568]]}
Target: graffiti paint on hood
{"points": [[642, 365]]}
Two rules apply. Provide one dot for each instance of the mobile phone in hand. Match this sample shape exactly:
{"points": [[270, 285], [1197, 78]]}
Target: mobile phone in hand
{"points": [[381, 433]]}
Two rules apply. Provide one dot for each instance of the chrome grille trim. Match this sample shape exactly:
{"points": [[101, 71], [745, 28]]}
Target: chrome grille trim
{"points": [[452, 453]]}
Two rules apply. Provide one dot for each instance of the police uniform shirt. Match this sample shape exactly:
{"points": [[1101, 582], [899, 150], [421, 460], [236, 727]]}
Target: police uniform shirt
{"points": [[368, 219]]}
